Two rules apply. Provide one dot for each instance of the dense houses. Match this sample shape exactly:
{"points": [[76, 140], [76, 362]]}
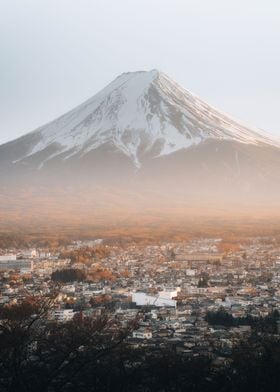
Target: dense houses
{"points": [[169, 288]]}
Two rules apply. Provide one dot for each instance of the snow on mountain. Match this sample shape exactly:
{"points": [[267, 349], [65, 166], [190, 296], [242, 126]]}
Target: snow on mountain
{"points": [[139, 113]]}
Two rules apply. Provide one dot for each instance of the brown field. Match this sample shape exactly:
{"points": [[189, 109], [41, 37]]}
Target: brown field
{"points": [[45, 220]]}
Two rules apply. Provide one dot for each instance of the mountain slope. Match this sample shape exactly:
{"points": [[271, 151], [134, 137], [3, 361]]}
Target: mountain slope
{"points": [[139, 113], [146, 134]]}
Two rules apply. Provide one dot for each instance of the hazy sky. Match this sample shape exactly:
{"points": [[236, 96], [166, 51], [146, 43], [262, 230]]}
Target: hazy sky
{"points": [[56, 53]]}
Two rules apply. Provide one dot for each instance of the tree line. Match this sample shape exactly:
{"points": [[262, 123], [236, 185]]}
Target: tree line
{"points": [[260, 324]]}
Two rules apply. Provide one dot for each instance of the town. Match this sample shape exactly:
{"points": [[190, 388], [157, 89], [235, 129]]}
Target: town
{"points": [[198, 297]]}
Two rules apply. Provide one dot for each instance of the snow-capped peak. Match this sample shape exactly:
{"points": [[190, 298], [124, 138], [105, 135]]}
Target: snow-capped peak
{"points": [[140, 113]]}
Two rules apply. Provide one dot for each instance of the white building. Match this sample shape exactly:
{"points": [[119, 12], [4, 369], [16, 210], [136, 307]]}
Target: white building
{"points": [[68, 289], [62, 315], [142, 299], [190, 272], [142, 333], [169, 293]]}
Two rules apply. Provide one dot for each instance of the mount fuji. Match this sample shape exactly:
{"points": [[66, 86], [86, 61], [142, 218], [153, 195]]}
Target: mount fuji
{"points": [[145, 133]]}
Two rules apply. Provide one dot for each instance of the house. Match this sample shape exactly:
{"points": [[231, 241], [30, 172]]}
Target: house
{"points": [[62, 315], [142, 333]]}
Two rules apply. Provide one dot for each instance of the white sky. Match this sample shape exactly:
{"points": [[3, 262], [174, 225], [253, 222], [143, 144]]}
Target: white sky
{"points": [[54, 54]]}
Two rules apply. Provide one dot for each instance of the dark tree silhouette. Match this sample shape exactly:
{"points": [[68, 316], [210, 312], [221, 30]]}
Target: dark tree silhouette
{"points": [[41, 355], [94, 355], [68, 275]]}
